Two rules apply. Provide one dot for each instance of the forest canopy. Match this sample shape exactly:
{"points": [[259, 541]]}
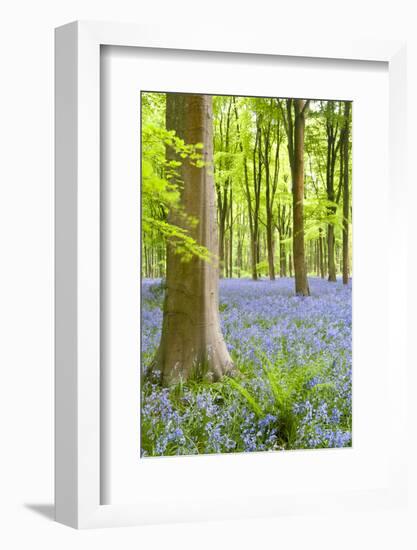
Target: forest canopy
{"points": [[252, 170]]}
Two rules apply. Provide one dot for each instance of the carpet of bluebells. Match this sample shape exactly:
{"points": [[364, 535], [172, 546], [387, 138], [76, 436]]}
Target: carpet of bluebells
{"points": [[293, 388]]}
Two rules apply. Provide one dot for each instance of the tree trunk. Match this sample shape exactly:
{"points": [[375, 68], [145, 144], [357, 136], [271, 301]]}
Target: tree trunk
{"points": [[333, 144], [252, 216], [253, 258], [269, 202], [221, 248], [270, 244], [301, 282], [231, 235], [345, 152], [294, 127], [282, 260], [222, 207], [239, 250], [239, 256], [269, 236], [330, 253], [321, 254], [257, 180], [192, 344], [226, 258]]}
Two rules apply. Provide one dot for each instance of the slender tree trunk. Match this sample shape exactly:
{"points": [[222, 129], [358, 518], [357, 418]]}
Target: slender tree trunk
{"points": [[331, 253], [251, 214], [231, 234], [269, 233], [345, 152], [321, 253], [257, 180], [226, 257], [222, 207], [301, 282], [269, 199], [253, 258], [191, 341], [283, 226], [333, 144], [239, 248], [282, 260], [239, 255], [221, 253], [294, 127]]}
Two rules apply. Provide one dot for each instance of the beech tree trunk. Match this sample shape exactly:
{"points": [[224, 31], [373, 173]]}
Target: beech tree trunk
{"points": [[257, 181], [231, 234], [251, 213], [221, 247], [333, 145], [192, 343], [331, 260], [284, 230], [269, 236], [239, 251], [271, 183], [294, 127], [282, 260], [300, 272], [321, 254], [345, 152]]}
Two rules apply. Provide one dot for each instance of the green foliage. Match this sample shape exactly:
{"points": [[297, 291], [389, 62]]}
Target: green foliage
{"points": [[161, 182], [257, 409], [249, 144], [287, 386], [198, 403]]}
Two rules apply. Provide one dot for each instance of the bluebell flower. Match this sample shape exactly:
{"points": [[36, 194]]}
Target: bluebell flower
{"points": [[259, 319]]}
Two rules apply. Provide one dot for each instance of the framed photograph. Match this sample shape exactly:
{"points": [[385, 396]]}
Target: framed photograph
{"points": [[228, 326]]}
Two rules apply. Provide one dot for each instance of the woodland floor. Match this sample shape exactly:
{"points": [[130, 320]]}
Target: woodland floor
{"points": [[295, 360]]}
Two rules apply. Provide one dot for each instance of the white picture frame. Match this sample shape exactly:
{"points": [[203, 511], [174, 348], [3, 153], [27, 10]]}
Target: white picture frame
{"points": [[78, 426]]}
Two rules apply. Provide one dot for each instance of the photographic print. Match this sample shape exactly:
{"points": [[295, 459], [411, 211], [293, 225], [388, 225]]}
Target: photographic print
{"points": [[246, 274]]}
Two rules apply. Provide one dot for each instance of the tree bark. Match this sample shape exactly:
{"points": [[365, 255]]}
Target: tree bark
{"points": [[284, 230], [269, 226], [330, 253], [333, 144], [346, 198], [222, 224], [231, 234], [257, 181], [239, 251], [321, 254], [282, 260], [192, 343], [270, 188], [223, 190], [252, 212], [300, 272]]}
